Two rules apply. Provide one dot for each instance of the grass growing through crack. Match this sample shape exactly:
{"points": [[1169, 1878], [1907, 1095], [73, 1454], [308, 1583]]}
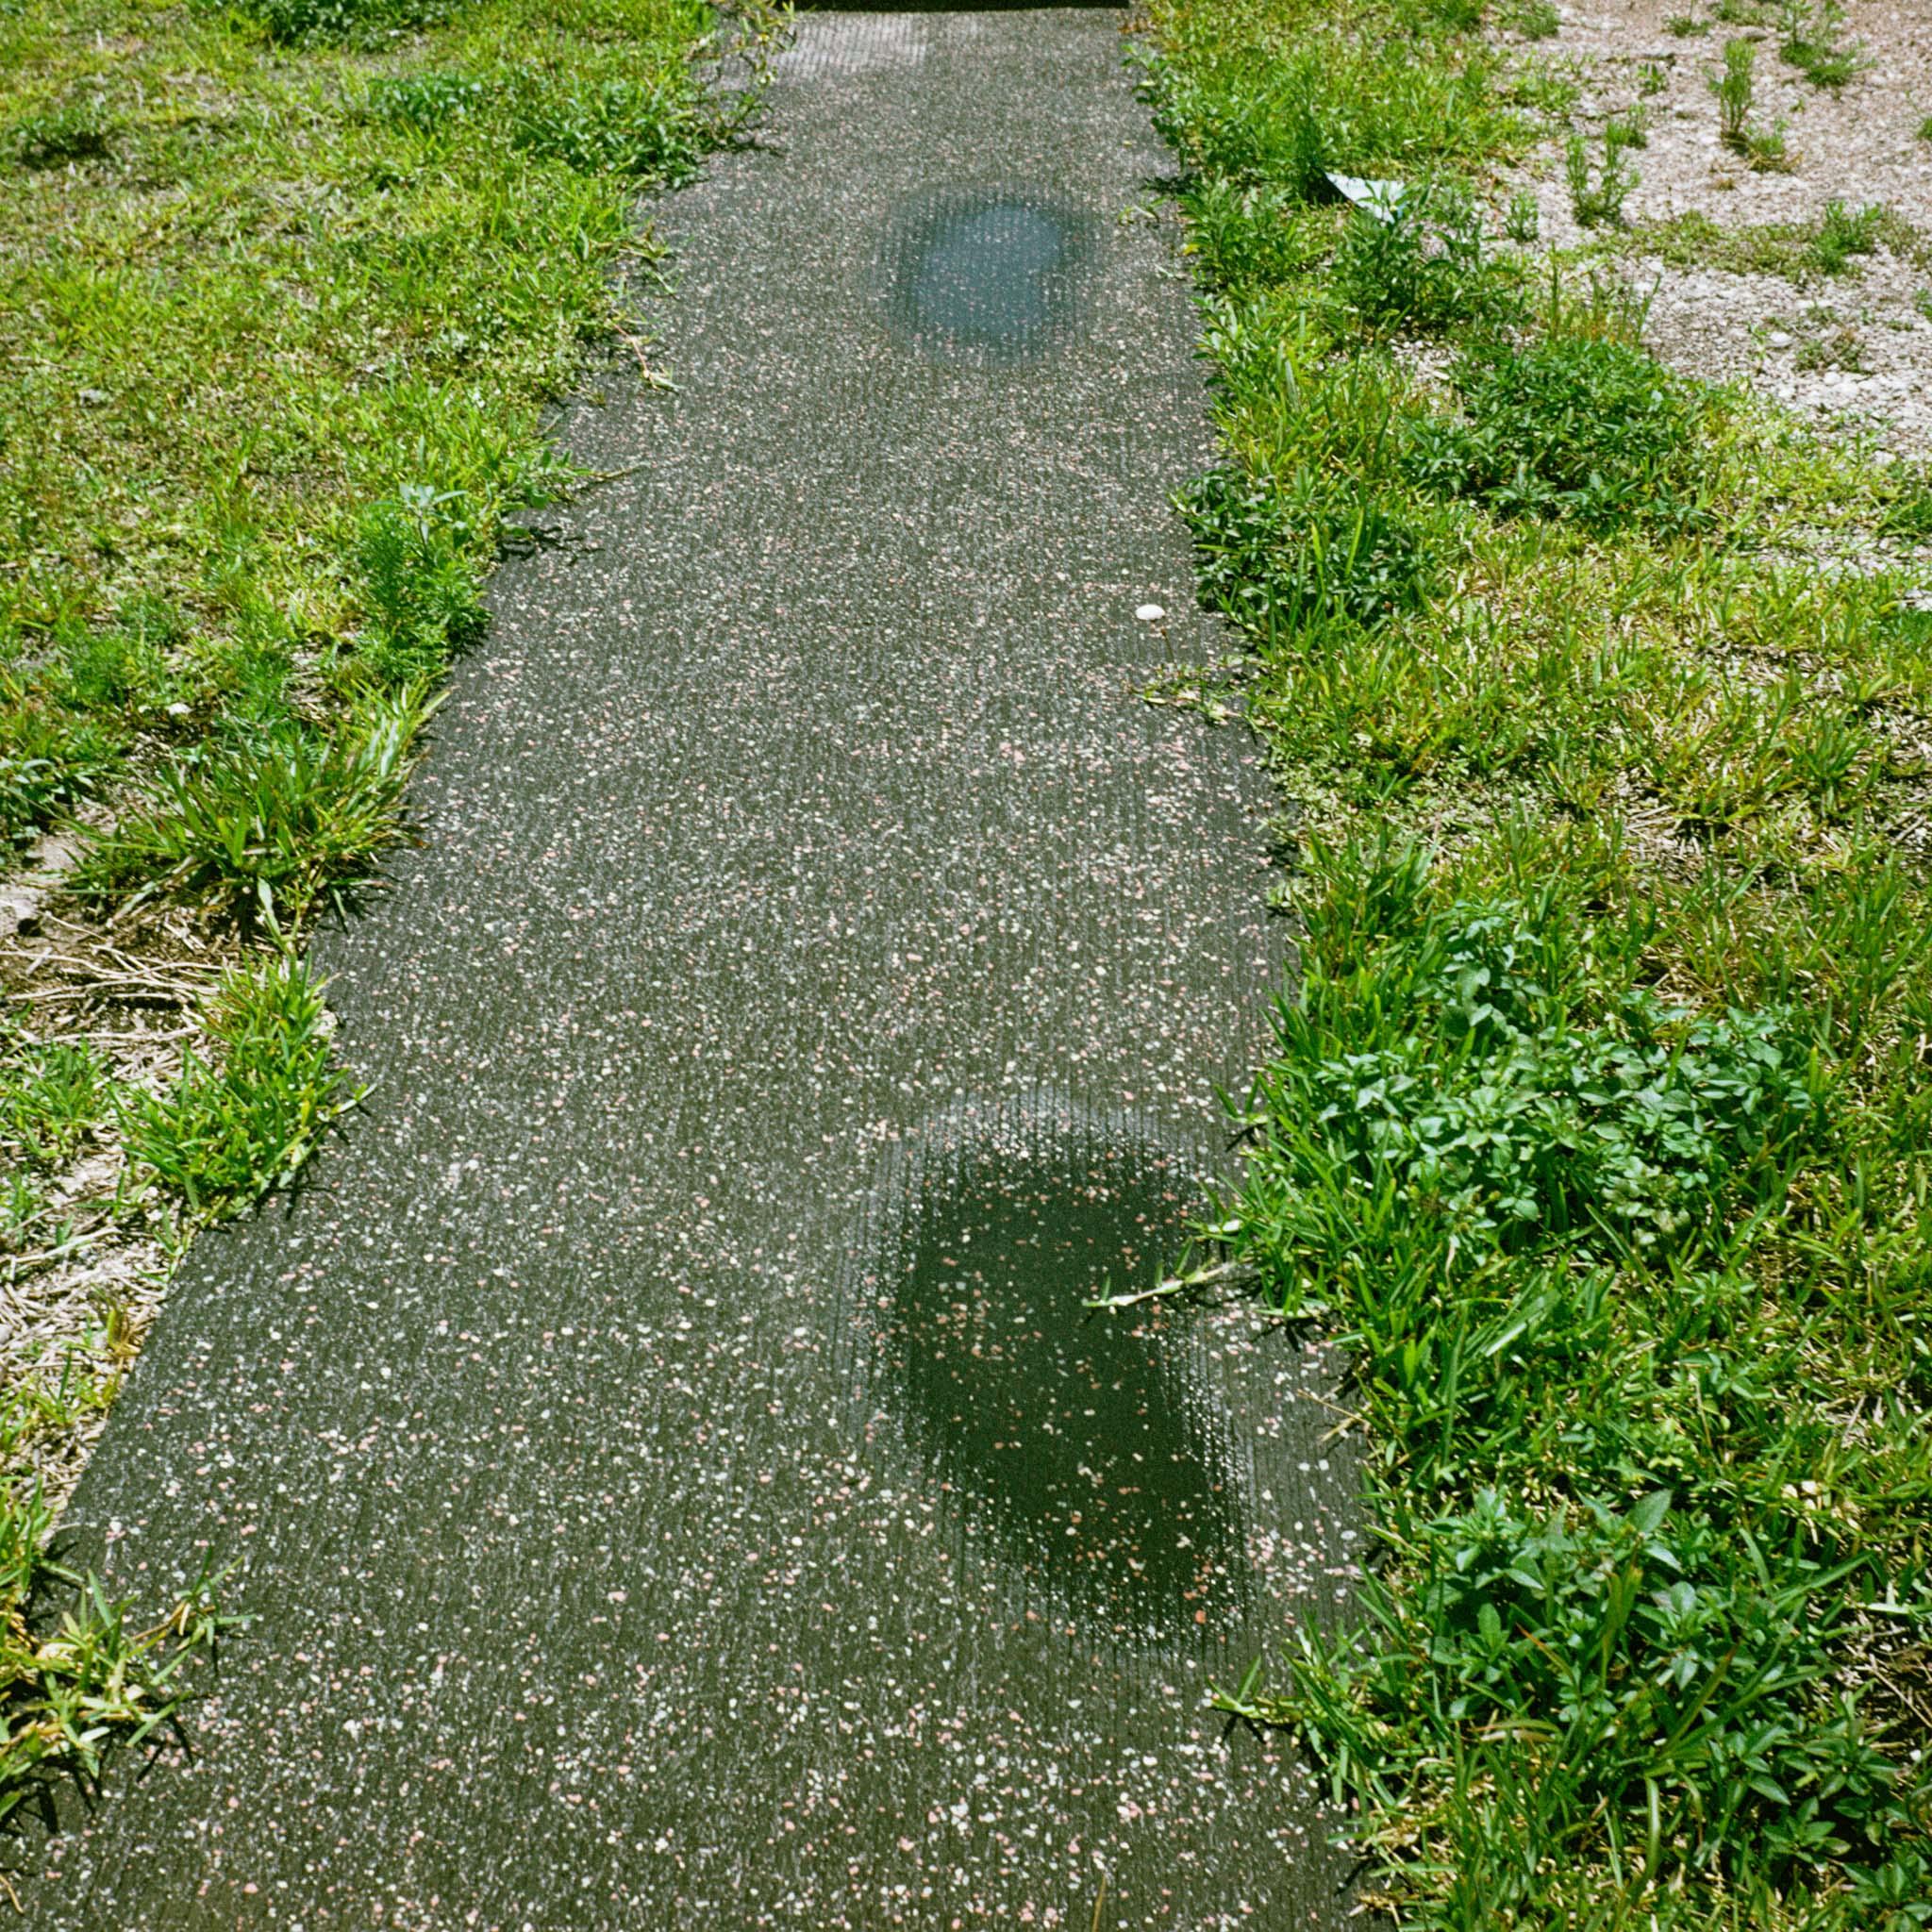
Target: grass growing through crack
{"points": [[1600, 1125], [284, 289]]}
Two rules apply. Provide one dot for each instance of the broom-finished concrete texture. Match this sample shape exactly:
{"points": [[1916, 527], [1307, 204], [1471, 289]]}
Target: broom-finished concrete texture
{"points": [[673, 1476]]}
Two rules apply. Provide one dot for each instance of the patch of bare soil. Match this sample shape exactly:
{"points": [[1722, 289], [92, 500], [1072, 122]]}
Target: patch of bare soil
{"points": [[1852, 351], [84, 1259]]}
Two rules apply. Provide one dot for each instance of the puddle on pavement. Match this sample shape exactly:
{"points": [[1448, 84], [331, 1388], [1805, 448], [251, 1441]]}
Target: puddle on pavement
{"points": [[990, 276], [1082, 1450]]}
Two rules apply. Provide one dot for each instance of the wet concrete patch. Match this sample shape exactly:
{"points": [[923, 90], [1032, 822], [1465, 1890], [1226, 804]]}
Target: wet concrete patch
{"points": [[1085, 1451], [991, 274]]}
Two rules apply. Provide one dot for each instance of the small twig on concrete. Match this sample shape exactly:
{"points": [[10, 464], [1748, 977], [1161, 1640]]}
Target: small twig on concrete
{"points": [[1175, 1284]]}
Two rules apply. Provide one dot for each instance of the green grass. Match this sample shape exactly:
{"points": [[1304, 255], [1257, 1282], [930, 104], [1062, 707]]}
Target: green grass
{"points": [[1799, 251], [96, 1679], [231, 1131], [285, 289], [285, 319], [1598, 1127], [266, 824]]}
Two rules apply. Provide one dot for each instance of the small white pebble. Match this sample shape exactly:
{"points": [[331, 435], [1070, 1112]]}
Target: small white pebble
{"points": [[1149, 613]]}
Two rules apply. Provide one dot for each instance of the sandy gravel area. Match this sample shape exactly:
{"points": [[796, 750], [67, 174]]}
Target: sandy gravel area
{"points": [[1853, 349]]}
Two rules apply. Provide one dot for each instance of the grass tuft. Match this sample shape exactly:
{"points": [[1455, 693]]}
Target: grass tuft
{"points": [[267, 828], [231, 1131], [51, 1100], [1579, 425]]}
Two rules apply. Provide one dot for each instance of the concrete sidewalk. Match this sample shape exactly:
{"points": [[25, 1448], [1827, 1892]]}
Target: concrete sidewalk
{"points": [[672, 1475]]}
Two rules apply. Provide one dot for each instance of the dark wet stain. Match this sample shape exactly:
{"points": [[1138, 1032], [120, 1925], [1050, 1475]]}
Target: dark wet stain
{"points": [[1080, 1444], [990, 276]]}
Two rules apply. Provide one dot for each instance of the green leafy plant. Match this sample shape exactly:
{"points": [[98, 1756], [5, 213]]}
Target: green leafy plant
{"points": [[78, 1675], [1466, 1139], [1842, 234], [1839, 347], [1536, 20], [1799, 251], [430, 102], [1631, 128], [1595, 1130], [1362, 106], [655, 128], [229, 1132], [50, 761], [419, 588], [270, 826], [1575, 425], [352, 22]]}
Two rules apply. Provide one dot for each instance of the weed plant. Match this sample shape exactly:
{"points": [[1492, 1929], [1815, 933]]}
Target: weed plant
{"points": [[1598, 192], [1736, 88], [1536, 20], [1810, 38], [1597, 1125], [1418, 266], [1572, 423], [267, 824], [228, 1133], [51, 1100], [99, 1678]]}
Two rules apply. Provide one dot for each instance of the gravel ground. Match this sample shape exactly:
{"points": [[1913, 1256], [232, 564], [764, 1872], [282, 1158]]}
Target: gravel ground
{"points": [[1865, 333]]}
